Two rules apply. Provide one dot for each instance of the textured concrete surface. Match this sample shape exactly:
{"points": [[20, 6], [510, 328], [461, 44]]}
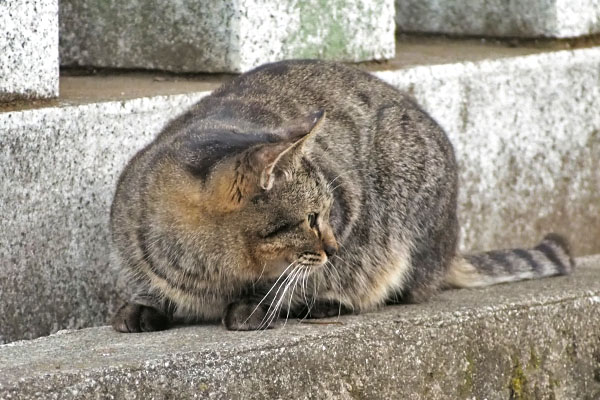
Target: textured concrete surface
{"points": [[222, 35], [525, 131], [527, 340], [531, 18], [28, 49]]}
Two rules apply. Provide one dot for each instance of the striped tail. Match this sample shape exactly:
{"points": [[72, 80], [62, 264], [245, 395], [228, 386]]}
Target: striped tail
{"points": [[551, 256]]}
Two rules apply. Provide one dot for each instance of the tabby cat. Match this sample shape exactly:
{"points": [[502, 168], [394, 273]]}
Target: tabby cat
{"points": [[301, 188]]}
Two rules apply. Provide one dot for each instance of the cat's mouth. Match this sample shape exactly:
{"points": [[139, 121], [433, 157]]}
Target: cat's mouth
{"points": [[307, 259], [310, 259]]}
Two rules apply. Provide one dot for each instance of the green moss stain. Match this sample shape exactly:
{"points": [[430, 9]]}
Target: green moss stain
{"points": [[324, 33], [320, 34], [534, 360], [465, 390], [518, 381], [203, 387]]}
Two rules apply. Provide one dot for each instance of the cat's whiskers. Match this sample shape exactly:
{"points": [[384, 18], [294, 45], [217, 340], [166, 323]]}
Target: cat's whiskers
{"points": [[273, 312], [260, 276], [303, 285], [298, 276], [267, 294], [336, 186], [334, 276], [339, 285], [313, 298], [341, 246]]}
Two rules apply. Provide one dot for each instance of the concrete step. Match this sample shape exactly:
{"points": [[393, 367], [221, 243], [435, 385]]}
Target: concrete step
{"points": [[28, 49], [523, 19], [233, 36], [536, 339], [524, 122]]}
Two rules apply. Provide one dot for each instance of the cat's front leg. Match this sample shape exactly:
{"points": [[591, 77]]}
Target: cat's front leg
{"points": [[254, 309], [322, 309], [141, 314], [134, 317], [249, 315]]}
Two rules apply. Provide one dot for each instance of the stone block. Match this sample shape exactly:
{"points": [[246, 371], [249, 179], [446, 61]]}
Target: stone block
{"points": [[524, 19], [28, 49], [222, 35], [528, 340]]}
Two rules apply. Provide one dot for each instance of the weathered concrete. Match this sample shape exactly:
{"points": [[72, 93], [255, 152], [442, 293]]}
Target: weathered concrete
{"points": [[222, 35], [527, 150], [28, 49], [525, 340], [531, 18]]}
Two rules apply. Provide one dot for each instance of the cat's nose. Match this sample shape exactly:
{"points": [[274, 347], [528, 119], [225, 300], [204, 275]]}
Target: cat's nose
{"points": [[330, 250]]}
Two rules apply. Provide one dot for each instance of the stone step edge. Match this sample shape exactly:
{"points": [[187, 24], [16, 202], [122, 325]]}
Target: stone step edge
{"points": [[401, 78], [182, 360]]}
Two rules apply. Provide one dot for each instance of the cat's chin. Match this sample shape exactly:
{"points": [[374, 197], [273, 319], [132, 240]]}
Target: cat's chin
{"points": [[278, 268]]}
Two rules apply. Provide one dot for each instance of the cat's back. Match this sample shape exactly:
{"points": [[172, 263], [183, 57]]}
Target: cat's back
{"points": [[368, 121], [359, 106], [291, 86]]}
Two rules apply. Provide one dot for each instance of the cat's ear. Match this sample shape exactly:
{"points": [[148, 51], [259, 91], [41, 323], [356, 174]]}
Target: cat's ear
{"points": [[235, 181], [294, 135], [261, 161], [239, 179], [265, 158], [301, 129]]}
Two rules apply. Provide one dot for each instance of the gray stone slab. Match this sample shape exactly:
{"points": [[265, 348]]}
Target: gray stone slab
{"points": [[28, 49], [529, 18], [222, 35], [527, 150], [536, 339]]}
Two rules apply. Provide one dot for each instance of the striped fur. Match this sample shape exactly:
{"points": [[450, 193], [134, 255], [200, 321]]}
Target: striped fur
{"points": [[550, 257]]}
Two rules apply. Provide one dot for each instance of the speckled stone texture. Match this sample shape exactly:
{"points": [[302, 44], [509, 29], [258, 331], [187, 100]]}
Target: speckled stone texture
{"points": [[58, 169], [530, 18], [526, 132], [529, 340], [222, 35], [28, 49]]}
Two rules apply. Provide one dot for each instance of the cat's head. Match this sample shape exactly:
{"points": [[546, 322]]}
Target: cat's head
{"points": [[256, 198]]}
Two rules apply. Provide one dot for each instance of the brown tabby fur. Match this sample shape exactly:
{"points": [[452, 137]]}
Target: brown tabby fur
{"points": [[306, 188]]}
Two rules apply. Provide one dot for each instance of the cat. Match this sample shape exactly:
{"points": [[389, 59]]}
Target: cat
{"points": [[302, 188]]}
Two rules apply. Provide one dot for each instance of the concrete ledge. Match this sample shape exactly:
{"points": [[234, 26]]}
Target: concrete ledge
{"points": [[530, 18], [525, 130], [28, 49], [222, 35], [535, 339]]}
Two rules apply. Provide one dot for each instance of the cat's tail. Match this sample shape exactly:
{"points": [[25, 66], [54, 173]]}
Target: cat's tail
{"points": [[551, 256]]}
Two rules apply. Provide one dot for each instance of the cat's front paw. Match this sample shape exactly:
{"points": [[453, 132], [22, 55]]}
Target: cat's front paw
{"points": [[139, 318], [323, 309], [247, 316]]}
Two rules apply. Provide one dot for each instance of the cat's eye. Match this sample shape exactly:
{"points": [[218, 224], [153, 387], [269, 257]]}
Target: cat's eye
{"points": [[312, 220]]}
